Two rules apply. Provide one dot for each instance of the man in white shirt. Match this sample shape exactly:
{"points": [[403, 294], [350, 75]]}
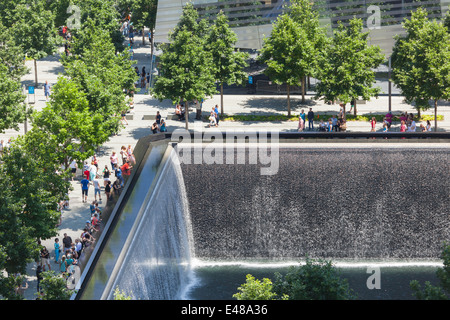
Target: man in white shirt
{"points": [[412, 127], [97, 188], [73, 167]]}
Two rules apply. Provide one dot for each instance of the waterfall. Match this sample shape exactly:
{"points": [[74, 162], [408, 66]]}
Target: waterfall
{"points": [[157, 264]]}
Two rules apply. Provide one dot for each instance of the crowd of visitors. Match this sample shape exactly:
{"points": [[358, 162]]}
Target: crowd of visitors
{"points": [[333, 123], [67, 251], [336, 124]]}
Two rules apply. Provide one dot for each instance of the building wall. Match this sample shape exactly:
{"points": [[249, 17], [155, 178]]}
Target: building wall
{"points": [[252, 19]]}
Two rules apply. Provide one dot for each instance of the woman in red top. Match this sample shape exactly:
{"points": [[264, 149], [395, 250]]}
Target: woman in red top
{"points": [[373, 123]]}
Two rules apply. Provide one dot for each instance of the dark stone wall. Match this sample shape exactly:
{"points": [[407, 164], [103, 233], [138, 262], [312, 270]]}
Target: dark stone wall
{"points": [[330, 203]]}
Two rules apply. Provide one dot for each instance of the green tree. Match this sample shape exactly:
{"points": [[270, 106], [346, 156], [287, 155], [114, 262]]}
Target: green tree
{"points": [[11, 55], [29, 192], [191, 21], [72, 130], [421, 62], [34, 30], [302, 12], [97, 15], [346, 69], [144, 15], [186, 66], [12, 106], [317, 279], [229, 63], [447, 21], [54, 287], [104, 77], [431, 292], [120, 295], [287, 53], [254, 289]]}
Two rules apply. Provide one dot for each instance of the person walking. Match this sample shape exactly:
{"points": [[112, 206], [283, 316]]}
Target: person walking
{"points": [[39, 277], [96, 184], [216, 111], [45, 256], [310, 119], [47, 89], [84, 188], [106, 174]]}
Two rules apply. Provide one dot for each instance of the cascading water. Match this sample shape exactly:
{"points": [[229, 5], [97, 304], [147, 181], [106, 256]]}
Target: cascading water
{"points": [[157, 265], [384, 204]]}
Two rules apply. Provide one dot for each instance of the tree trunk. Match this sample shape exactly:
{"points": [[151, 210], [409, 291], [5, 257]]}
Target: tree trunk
{"points": [[35, 73], [221, 98], [354, 107], [344, 112], [289, 100], [186, 113], [435, 115], [143, 36], [303, 89]]}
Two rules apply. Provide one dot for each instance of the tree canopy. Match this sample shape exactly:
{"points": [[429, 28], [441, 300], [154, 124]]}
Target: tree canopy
{"points": [[186, 66], [421, 61], [346, 69], [229, 63]]}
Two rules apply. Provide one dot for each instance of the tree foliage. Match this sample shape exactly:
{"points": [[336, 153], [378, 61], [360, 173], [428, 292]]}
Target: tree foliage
{"points": [[288, 53], [186, 66], [34, 30], [421, 61], [254, 289], [315, 280], [105, 78], [97, 15], [53, 287], [430, 292], [346, 69], [72, 130], [229, 63], [12, 107]]}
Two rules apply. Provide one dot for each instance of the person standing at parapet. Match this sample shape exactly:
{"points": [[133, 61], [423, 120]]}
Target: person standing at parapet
{"points": [[310, 119], [114, 160]]}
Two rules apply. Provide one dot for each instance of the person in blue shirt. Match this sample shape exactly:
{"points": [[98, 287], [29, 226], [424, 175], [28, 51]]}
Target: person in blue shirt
{"points": [[162, 127], [46, 90], [216, 110], [84, 189], [119, 176]]}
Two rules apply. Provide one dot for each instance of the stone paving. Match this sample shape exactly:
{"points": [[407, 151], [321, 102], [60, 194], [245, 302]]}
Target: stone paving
{"points": [[75, 216]]}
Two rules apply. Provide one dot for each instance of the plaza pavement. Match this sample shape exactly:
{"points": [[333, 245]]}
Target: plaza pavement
{"points": [[78, 213]]}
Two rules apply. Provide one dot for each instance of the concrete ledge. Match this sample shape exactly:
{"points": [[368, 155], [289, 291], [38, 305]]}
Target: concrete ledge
{"points": [[149, 117]]}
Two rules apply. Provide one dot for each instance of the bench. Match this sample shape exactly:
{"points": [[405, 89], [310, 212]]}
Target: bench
{"points": [[149, 117]]}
